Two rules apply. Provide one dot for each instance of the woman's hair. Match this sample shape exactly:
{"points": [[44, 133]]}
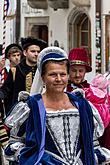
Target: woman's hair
{"points": [[44, 66]]}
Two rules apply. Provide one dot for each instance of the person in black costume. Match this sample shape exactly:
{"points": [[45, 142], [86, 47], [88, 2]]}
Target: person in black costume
{"points": [[21, 78], [13, 53]]}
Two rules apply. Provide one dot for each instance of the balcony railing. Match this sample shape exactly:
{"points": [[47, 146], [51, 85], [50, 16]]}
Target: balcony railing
{"points": [[81, 2], [39, 4], [56, 4]]}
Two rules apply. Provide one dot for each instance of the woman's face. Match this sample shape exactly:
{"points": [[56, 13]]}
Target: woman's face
{"points": [[55, 76]]}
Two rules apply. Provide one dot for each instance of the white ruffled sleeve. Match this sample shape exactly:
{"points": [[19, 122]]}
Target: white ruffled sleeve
{"points": [[16, 121]]}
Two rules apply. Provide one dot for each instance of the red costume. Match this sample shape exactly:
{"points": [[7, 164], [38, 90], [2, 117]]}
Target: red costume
{"points": [[78, 56]]}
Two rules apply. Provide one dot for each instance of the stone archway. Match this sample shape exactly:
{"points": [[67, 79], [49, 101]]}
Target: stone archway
{"points": [[74, 18], [78, 36]]}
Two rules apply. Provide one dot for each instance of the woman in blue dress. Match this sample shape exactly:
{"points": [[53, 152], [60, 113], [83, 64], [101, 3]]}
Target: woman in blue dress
{"points": [[54, 127]]}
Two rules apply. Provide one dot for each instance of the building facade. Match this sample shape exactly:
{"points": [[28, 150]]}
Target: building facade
{"points": [[64, 23]]}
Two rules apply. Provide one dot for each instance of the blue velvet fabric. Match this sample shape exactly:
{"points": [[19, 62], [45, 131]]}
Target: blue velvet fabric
{"points": [[34, 152], [100, 156]]}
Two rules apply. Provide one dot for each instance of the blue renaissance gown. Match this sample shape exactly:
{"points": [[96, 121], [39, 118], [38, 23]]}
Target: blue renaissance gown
{"points": [[63, 137]]}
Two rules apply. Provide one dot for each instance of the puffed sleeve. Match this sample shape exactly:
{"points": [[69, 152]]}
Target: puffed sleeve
{"points": [[102, 154], [16, 121]]}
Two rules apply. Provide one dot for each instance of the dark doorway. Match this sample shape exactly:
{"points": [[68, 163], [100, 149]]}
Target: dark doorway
{"points": [[40, 31]]}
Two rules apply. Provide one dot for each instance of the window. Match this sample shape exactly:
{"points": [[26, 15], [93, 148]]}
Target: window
{"points": [[84, 33], [107, 40]]}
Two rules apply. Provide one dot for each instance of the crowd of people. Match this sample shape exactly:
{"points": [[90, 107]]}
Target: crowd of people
{"points": [[23, 64], [53, 115]]}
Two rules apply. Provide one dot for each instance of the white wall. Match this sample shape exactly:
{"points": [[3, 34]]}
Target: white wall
{"points": [[10, 31], [58, 27], [105, 6], [91, 12]]}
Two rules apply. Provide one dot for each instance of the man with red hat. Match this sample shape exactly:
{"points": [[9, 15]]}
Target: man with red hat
{"points": [[79, 66]]}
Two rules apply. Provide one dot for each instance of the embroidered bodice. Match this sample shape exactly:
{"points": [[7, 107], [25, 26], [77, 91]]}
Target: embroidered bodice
{"points": [[63, 127]]}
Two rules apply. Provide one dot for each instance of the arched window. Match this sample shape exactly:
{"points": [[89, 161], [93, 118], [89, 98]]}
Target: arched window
{"points": [[84, 33], [79, 31], [84, 37]]}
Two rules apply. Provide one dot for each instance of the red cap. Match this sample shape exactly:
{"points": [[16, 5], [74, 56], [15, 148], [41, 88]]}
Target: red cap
{"points": [[79, 56]]}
